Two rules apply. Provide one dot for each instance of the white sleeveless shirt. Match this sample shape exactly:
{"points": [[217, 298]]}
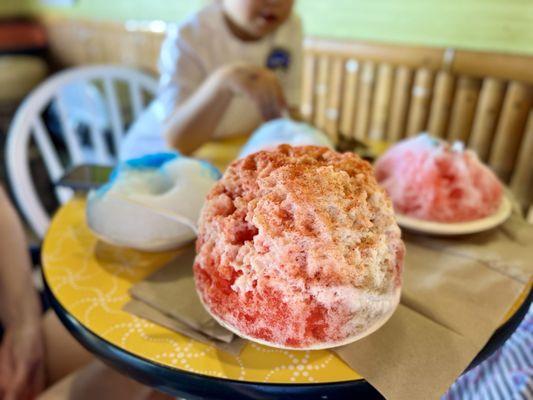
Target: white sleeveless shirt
{"points": [[196, 48]]}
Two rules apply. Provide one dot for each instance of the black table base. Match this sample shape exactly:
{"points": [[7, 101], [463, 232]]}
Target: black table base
{"points": [[195, 386]]}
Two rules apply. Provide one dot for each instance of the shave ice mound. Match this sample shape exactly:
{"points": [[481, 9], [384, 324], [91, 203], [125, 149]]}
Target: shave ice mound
{"points": [[432, 180], [284, 131], [298, 248], [133, 209]]}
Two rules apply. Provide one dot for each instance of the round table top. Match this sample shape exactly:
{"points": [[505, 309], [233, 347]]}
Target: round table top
{"points": [[91, 279]]}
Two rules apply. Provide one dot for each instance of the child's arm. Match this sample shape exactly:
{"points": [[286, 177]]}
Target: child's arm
{"points": [[194, 121], [21, 348]]}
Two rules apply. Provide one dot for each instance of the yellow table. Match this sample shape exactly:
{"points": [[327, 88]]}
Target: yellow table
{"points": [[88, 284], [91, 280], [88, 281]]}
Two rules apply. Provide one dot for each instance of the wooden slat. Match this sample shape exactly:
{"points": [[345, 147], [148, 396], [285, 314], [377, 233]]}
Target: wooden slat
{"points": [[334, 98], [349, 96], [109, 44], [94, 53], [441, 105], [364, 100], [321, 92], [515, 111], [411, 56], [154, 49], [464, 108], [420, 100], [465, 62], [400, 103], [47, 149], [497, 65], [487, 112], [117, 125], [98, 142], [522, 179], [112, 38], [136, 98], [76, 44], [530, 215], [71, 138], [381, 103], [308, 86], [147, 96]]}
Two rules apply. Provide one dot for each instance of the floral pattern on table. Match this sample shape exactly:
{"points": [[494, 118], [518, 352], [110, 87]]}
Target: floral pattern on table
{"points": [[90, 279]]}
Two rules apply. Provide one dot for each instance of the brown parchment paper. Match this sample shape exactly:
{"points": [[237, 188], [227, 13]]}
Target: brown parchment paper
{"points": [[455, 294], [150, 313], [171, 290]]}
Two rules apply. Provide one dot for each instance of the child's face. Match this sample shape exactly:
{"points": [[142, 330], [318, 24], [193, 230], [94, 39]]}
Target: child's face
{"points": [[258, 17]]}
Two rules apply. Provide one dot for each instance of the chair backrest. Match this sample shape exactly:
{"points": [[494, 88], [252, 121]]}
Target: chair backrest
{"points": [[389, 92], [29, 126]]}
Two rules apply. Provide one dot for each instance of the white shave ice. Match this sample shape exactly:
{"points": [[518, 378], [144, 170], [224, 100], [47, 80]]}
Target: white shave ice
{"points": [[284, 131], [135, 210]]}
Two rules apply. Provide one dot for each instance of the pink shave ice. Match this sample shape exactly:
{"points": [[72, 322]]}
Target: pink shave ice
{"points": [[430, 179], [298, 248]]}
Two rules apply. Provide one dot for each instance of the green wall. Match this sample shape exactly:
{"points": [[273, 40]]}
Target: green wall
{"points": [[15, 8], [498, 25], [168, 10]]}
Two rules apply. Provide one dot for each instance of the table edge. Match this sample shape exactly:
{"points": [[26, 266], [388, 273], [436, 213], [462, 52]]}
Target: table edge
{"points": [[138, 367], [92, 340], [115, 355]]}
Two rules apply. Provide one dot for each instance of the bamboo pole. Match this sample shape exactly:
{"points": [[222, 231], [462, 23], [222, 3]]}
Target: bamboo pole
{"points": [[381, 104], [486, 118], [441, 105], [349, 97], [420, 101], [464, 108], [516, 107], [400, 103], [364, 100]]}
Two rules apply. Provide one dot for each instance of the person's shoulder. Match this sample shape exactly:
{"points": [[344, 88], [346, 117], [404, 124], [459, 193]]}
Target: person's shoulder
{"points": [[294, 20], [291, 28], [198, 25]]}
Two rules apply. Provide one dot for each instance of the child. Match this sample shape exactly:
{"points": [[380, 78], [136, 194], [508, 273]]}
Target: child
{"points": [[223, 71]]}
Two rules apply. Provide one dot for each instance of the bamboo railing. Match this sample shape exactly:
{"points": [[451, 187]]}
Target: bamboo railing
{"points": [[369, 90]]}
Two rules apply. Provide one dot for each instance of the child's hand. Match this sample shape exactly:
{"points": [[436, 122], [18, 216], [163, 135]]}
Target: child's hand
{"points": [[22, 361], [261, 85]]}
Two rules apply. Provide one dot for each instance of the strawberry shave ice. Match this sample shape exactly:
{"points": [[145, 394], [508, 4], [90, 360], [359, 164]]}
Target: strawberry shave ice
{"points": [[430, 179], [298, 248]]}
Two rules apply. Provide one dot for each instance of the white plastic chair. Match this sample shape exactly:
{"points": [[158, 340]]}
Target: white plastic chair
{"points": [[28, 122]]}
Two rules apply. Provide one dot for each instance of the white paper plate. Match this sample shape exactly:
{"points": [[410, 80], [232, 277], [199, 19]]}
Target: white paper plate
{"points": [[322, 346], [457, 228]]}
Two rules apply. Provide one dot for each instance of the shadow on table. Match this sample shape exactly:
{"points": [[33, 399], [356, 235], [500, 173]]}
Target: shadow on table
{"points": [[129, 264]]}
